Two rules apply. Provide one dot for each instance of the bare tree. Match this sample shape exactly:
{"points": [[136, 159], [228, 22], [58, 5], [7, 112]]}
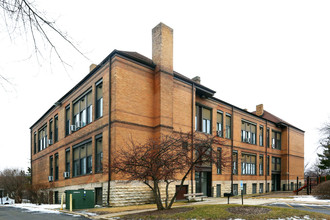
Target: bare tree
{"points": [[167, 159], [37, 193], [314, 170], [22, 16], [14, 182]]}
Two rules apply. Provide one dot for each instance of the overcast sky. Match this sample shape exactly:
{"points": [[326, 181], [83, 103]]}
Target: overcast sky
{"points": [[250, 52]]}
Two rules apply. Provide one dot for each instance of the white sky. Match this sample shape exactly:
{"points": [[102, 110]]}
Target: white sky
{"points": [[250, 52]]}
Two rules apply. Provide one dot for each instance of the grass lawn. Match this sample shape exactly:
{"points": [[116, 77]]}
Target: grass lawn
{"points": [[105, 210], [221, 212]]}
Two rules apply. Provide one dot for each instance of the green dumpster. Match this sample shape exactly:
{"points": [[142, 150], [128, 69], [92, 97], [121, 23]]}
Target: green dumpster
{"points": [[81, 199]]}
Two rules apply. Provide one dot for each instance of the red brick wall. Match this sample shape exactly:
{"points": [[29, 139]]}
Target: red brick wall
{"points": [[145, 104]]}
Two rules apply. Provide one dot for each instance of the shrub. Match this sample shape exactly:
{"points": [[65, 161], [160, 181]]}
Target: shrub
{"points": [[322, 190]]}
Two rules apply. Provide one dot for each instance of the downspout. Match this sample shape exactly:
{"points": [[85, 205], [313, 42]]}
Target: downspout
{"points": [[232, 149], [288, 155], [266, 156], [192, 133], [30, 156], [109, 135]]}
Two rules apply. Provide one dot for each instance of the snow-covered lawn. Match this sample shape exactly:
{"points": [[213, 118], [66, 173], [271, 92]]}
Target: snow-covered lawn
{"points": [[295, 218], [45, 208], [310, 199], [306, 217]]}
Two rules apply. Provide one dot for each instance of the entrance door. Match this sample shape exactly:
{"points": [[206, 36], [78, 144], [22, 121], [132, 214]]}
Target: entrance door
{"points": [[203, 183], [181, 192], [218, 190], [276, 182], [50, 198], [98, 196], [56, 198]]}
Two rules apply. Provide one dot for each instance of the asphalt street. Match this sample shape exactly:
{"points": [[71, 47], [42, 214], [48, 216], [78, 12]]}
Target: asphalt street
{"points": [[312, 208], [10, 213]]}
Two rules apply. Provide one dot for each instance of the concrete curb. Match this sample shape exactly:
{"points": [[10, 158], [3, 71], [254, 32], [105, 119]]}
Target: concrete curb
{"points": [[74, 213]]}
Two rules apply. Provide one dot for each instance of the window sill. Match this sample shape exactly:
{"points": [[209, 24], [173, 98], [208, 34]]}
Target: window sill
{"points": [[203, 132], [96, 119], [87, 174], [248, 143]]}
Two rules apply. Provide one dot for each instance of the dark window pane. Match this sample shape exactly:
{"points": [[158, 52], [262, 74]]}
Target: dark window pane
{"points": [[99, 101], [56, 129], [67, 121], [99, 155]]}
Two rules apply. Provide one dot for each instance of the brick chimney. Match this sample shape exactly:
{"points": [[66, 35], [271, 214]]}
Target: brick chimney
{"points": [[196, 79], [162, 47], [260, 110], [91, 67], [162, 56]]}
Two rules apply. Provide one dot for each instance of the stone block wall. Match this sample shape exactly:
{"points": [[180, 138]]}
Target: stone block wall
{"points": [[122, 193]]}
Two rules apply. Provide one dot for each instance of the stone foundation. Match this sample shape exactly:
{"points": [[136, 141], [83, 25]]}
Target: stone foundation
{"points": [[226, 187], [123, 193]]}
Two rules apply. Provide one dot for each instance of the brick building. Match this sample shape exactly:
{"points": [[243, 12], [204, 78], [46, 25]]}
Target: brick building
{"points": [[130, 95]]}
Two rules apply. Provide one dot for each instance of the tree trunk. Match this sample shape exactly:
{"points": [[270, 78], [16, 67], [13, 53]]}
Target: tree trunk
{"points": [[166, 199], [181, 184], [157, 196]]}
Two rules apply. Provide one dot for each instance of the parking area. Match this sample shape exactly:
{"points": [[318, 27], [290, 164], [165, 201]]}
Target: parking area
{"points": [[325, 209]]}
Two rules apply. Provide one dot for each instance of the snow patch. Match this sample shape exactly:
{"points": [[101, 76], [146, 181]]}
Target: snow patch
{"points": [[310, 199], [307, 198], [288, 218], [38, 208], [88, 213], [293, 218]]}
